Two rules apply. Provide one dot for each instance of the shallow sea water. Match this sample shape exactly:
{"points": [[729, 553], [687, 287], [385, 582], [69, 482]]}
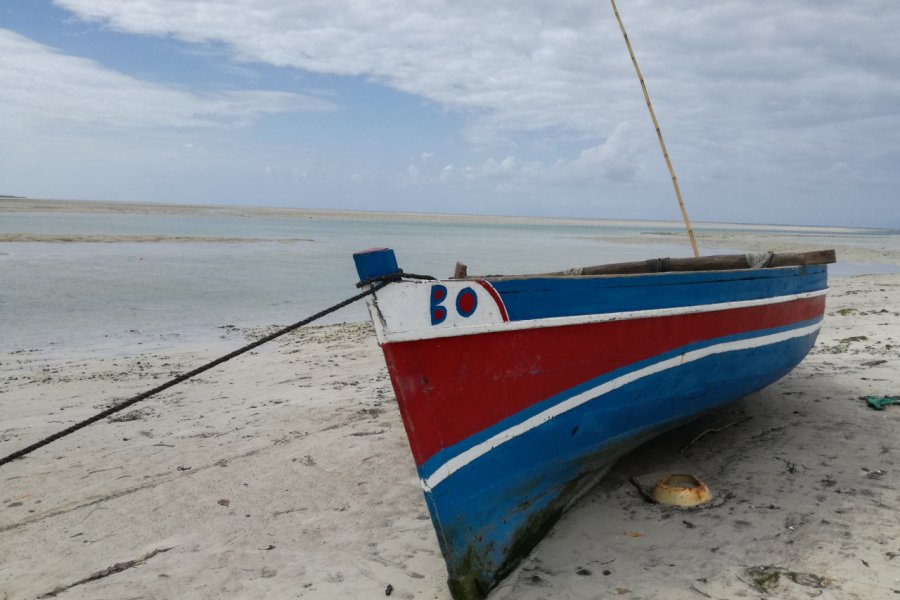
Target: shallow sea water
{"points": [[88, 295]]}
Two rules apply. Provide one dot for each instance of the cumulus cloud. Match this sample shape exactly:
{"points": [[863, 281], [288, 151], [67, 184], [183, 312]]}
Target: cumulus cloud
{"points": [[40, 86]]}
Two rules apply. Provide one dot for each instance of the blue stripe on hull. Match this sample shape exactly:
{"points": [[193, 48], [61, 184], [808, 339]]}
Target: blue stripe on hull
{"points": [[491, 512], [537, 298]]}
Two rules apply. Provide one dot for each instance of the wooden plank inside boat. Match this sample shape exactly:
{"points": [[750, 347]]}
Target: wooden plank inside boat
{"points": [[722, 262]]}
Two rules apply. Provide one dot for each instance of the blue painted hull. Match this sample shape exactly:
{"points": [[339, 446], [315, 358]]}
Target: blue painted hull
{"points": [[518, 393], [491, 513]]}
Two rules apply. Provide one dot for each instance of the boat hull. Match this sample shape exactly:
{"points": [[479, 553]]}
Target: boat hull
{"points": [[518, 394]]}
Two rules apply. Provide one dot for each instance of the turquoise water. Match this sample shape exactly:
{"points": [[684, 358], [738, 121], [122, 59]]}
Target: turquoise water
{"points": [[81, 295]]}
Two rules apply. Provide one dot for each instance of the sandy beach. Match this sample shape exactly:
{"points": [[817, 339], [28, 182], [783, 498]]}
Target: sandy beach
{"points": [[60, 206], [523, 241], [286, 474]]}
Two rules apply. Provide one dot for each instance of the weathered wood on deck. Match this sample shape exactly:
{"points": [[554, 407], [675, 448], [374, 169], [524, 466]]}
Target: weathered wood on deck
{"points": [[722, 262]]}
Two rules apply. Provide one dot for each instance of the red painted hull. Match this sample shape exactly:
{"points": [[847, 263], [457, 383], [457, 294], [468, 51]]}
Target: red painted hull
{"points": [[451, 388]]}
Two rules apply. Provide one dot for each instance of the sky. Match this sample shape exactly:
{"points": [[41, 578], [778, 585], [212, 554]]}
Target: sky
{"points": [[772, 111]]}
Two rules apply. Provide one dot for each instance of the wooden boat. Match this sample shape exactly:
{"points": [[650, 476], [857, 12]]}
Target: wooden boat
{"points": [[518, 393]]}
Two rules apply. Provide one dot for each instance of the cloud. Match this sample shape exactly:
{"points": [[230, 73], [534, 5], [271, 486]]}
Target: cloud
{"points": [[516, 67], [746, 91], [618, 158], [764, 104], [73, 128], [527, 66], [41, 87]]}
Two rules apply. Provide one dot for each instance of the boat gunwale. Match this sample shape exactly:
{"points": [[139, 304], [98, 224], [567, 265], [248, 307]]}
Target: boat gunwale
{"points": [[585, 319], [558, 276], [819, 258]]}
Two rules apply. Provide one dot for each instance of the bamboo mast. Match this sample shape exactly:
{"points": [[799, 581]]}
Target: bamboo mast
{"points": [[662, 144]]}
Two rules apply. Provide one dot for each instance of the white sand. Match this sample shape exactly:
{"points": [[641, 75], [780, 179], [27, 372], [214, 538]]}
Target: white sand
{"points": [[38, 205], [286, 474]]}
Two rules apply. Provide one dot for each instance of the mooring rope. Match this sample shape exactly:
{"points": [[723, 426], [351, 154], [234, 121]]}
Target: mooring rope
{"points": [[376, 284]]}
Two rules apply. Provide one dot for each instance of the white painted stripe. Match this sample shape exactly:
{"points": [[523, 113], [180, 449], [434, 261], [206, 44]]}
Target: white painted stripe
{"points": [[462, 459], [408, 336]]}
